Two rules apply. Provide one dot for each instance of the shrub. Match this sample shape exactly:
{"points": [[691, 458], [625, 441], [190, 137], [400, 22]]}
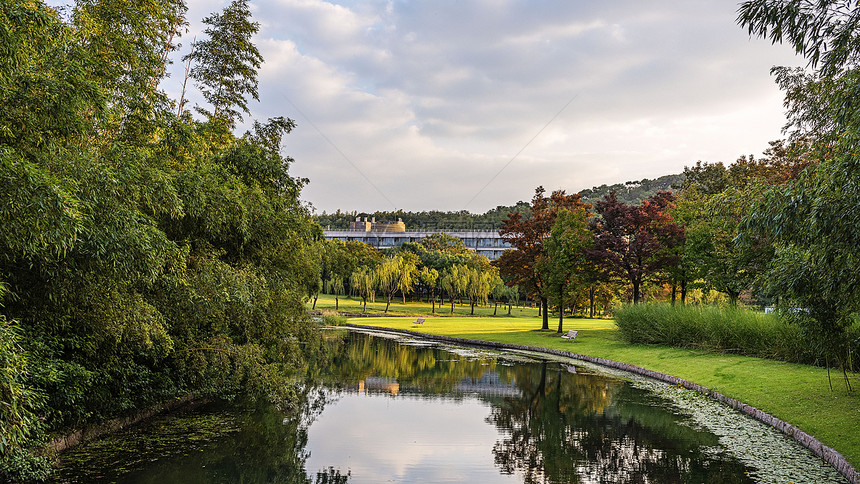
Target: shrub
{"points": [[724, 329]]}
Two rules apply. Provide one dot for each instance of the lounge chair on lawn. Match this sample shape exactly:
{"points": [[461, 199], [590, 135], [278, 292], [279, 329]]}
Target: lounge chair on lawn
{"points": [[571, 335]]}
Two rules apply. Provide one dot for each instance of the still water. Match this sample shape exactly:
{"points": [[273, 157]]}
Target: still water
{"points": [[390, 409]]}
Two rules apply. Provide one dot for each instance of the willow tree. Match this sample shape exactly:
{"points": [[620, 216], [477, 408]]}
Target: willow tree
{"points": [[363, 282], [396, 273], [429, 278]]}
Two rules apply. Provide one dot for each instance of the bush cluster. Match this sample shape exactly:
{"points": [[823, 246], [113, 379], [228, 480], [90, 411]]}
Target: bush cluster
{"points": [[717, 328]]}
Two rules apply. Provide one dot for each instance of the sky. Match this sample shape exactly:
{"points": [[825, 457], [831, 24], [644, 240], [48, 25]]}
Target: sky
{"points": [[470, 104]]}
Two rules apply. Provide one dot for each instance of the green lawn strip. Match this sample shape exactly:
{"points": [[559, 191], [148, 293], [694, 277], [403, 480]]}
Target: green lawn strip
{"points": [[797, 394], [326, 302]]}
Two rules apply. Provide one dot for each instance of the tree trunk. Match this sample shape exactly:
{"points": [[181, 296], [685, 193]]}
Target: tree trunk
{"points": [[336, 303], [509, 308], [495, 306], [545, 320], [433, 298], [560, 308], [390, 295], [472, 302], [683, 293], [592, 291], [733, 298], [636, 283], [315, 303], [674, 290]]}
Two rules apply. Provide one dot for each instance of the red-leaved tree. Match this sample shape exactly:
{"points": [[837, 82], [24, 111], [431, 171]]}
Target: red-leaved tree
{"points": [[635, 241]]}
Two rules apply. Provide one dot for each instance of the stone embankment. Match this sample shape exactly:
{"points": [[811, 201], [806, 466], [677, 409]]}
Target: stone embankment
{"points": [[91, 432]]}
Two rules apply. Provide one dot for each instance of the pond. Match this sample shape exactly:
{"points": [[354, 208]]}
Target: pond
{"points": [[394, 409]]}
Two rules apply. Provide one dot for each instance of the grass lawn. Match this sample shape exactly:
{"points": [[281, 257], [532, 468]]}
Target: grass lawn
{"points": [[798, 394], [326, 302]]}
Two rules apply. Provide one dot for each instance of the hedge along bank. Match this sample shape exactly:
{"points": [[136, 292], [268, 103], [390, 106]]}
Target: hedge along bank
{"points": [[828, 454]]}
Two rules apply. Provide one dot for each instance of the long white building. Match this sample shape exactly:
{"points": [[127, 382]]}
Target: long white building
{"points": [[384, 235]]}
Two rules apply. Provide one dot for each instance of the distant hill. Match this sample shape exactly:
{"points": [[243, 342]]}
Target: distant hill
{"points": [[631, 192]]}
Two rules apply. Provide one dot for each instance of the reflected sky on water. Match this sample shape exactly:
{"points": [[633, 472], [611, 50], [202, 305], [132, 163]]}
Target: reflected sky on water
{"points": [[406, 438]]}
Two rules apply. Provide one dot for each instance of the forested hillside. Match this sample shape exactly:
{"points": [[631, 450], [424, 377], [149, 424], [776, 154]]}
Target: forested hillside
{"points": [[631, 192], [144, 255]]}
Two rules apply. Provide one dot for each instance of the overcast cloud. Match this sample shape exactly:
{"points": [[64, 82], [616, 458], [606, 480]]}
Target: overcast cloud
{"points": [[430, 99]]}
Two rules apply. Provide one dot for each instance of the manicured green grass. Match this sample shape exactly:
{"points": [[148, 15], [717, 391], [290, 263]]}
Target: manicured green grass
{"points": [[796, 393], [326, 302]]}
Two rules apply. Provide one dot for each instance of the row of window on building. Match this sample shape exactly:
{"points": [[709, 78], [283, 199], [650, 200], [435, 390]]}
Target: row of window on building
{"points": [[489, 244]]}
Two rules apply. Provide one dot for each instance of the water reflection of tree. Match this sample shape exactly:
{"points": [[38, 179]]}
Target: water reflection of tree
{"points": [[271, 444], [249, 443], [584, 428], [433, 370]]}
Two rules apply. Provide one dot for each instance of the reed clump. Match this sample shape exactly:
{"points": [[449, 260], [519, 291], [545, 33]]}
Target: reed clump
{"points": [[717, 328]]}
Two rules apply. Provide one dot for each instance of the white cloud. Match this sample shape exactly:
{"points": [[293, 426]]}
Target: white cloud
{"points": [[431, 99]]}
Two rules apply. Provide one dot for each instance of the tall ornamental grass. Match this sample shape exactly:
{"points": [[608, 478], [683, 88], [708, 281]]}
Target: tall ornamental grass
{"points": [[723, 329]]}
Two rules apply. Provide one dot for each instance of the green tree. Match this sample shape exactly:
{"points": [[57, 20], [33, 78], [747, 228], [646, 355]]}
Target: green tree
{"points": [[144, 258], [225, 64], [566, 259], [810, 219], [20, 403], [498, 290], [451, 282], [429, 278], [520, 265], [477, 286], [824, 31]]}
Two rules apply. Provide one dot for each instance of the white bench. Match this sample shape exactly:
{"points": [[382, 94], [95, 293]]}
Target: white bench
{"points": [[418, 321], [571, 335]]}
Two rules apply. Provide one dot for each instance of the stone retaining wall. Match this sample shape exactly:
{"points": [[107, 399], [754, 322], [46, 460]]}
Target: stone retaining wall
{"points": [[830, 455], [78, 436]]}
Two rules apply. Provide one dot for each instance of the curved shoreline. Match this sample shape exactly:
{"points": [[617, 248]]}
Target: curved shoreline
{"points": [[826, 453]]}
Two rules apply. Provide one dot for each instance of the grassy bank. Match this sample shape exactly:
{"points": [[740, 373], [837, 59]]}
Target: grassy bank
{"points": [[798, 394]]}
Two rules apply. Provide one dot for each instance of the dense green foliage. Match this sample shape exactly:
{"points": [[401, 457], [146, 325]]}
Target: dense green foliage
{"points": [[812, 220], [142, 256]]}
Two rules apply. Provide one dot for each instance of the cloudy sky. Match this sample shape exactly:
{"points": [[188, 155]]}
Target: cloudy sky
{"points": [[452, 105]]}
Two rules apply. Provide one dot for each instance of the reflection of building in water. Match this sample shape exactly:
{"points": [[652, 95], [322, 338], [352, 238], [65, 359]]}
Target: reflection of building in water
{"points": [[488, 385], [374, 384]]}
